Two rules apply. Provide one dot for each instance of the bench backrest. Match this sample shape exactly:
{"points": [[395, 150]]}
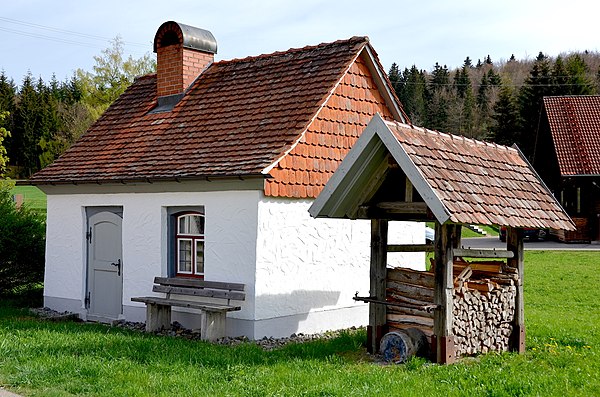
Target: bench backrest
{"points": [[196, 287]]}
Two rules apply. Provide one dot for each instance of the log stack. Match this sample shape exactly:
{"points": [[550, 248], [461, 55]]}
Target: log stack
{"points": [[483, 308], [482, 321], [410, 294]]}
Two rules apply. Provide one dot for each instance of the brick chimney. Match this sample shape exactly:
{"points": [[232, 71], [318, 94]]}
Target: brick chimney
{"points": [[182, 52]]}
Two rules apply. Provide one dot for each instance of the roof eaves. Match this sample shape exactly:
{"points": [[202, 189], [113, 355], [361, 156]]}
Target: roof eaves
{"points": [[548, 191], [149, 180]]}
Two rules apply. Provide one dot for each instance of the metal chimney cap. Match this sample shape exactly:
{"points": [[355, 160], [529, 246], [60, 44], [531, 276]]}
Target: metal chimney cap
{"points": [[172, 32]]}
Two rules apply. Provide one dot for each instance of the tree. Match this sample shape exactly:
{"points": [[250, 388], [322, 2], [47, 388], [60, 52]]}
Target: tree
{"points": [[413, 92], [578, 81], [111, 75], [26, 131], [7, 104], [22, 244], [438, 93], [4, 133], [506, 126], [537, 85]]}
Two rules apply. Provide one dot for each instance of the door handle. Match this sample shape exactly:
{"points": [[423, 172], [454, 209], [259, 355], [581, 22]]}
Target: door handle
{"points": [[118, 265]]}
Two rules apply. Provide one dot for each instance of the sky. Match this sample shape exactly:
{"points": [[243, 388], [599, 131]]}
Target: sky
{"points": [[60, 36]]}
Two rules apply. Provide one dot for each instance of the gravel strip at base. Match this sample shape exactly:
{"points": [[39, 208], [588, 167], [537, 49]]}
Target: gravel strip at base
{"points": [[177, 330]]}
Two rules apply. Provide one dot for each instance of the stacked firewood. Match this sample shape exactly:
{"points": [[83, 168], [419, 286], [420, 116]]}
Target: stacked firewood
{"points": [[410, 294], [484, 306]]}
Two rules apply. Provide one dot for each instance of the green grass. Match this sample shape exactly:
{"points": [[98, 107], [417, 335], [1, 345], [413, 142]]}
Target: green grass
{"points": [[32, 196], [492, 231], [40, 358]]}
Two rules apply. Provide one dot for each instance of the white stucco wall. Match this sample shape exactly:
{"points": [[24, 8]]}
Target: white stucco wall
{"points": [[300, 273], [230, 235], [309, 267]]}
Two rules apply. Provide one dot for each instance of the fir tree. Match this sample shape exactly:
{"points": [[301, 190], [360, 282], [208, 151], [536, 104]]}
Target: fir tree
{"points": [[506, 126], [578, 81], [25, 133], [537, 85], [438, 98], [414, 93], [394, 76]]}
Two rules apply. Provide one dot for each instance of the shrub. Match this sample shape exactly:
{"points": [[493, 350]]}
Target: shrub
{"points": [[22, 244]]}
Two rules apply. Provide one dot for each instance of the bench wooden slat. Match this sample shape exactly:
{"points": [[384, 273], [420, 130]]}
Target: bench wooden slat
{"points": [[209, 293], [192, 305], [196, 283]]}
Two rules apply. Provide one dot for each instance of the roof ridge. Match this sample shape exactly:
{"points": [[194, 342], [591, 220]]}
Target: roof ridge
{"points": [[353, 40], [450, 135]]}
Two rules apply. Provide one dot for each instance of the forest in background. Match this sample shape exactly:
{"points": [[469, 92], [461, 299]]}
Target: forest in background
{"points": [[498, 102], [40, 119]]}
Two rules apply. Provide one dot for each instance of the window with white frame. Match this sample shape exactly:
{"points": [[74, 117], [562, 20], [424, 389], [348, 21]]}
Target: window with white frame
{"points": [[189, 244]]}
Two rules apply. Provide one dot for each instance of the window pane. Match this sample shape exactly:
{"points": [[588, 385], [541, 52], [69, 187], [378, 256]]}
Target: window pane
{"points": [[196, 224], [181, 227], [185, 256], [191, 224], [199, 257]]}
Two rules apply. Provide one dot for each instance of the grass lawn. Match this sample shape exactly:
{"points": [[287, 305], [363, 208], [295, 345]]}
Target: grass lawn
{"points": [[39, 358], [32, 196]]}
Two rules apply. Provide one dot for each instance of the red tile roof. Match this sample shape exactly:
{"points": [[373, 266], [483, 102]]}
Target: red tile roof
{"points": [[237, 119], [575, 127], [479, 182], [308, 166]]}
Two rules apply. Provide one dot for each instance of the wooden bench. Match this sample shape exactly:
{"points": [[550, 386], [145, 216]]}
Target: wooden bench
{"points": [[213, 312]]}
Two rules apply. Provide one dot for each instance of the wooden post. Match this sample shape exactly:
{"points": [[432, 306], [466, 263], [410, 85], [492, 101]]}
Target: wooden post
{"points": [[514, 243], [443, 347], [377, 312]]}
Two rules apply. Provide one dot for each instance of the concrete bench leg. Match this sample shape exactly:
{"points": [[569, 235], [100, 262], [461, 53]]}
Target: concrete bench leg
{"points": [[212, 325], [157, 317]]}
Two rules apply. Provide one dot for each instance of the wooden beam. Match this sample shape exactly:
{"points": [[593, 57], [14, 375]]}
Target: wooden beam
{"points": [[400, 210], [444, 285], [402, 207], [410, 248], [514, 243], [483, 253], [408, 192], [377, 312]]}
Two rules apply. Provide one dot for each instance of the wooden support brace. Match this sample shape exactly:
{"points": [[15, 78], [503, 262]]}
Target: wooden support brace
{"points": [[377, 313], [445, 240], [158, 317], [514, 243]]}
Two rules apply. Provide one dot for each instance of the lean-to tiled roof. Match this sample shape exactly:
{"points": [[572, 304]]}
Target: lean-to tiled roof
{"points": [[461, 180], [239, 118], [575, 127]]}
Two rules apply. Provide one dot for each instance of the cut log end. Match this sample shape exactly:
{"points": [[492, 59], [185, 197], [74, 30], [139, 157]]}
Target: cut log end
{"points": [[399, 346]]}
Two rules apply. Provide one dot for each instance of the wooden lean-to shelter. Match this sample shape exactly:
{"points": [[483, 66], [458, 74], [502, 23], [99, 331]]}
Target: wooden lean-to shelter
{"points": [[401, 172]]}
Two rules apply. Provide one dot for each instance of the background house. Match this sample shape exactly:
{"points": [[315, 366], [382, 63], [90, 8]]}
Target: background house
{"points": [[207, 169], [567, 157]]}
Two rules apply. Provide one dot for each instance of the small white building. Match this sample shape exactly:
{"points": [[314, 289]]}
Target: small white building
{"points": [[207, 169]]}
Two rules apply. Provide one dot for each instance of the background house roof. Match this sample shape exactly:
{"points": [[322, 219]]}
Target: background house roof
{"points": [[575, 127], [461, 180], [236, 119]]}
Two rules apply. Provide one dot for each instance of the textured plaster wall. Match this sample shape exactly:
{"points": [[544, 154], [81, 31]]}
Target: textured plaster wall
{"points": [[307, 266], [306, 270], [231, 219]]}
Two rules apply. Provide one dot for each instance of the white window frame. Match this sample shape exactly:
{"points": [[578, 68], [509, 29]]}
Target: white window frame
{"points": [[194, 239]]}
